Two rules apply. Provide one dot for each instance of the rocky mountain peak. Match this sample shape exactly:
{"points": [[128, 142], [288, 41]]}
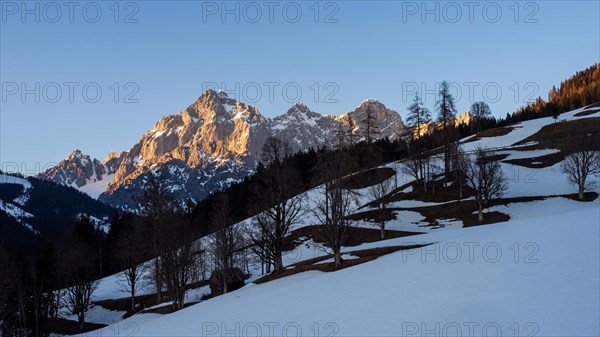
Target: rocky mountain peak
{"points": [[370, 102], [77, 169], [211, 143], [77, 154], [298, 107]]}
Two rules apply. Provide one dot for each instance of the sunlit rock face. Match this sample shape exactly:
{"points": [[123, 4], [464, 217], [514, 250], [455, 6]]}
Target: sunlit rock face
{"points": [[212, 143]]}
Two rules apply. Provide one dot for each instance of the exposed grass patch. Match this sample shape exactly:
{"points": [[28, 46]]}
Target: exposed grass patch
{"points": [[495, 132], [61, 326], [587, 196], [563, 136], [142, 301], [166, 309], [586, 112], [458, 210], [355, 236], [559, 134], [367, 178], [363, 256], [538, 162], [442, 194]]}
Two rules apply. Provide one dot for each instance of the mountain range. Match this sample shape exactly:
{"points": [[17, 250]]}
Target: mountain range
{"points": [[211, 144]]}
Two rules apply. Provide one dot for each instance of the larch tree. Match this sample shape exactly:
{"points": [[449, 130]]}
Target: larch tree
{"points": [[418, 118], [370, 123], [446, 118]]}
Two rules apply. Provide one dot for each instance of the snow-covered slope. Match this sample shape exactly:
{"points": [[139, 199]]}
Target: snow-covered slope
{"points": [[32, 210], [536, 274]]}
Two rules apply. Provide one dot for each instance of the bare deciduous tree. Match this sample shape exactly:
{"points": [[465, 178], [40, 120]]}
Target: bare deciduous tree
{"points": [[179, 259], [157, 205], [379, 192], [280, 209], [579, 166], [129, 255], [225, 242], [336, 203], [484, 174], [459, 162], [479, 111], [80, 272]]}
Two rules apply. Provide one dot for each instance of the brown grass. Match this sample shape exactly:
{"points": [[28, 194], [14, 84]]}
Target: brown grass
{"points": [[441, 194], [367, 178], [560, 133], [539, 162], [564, 136], [355, 236], [61, 326], [586, 112], [364, 255], [495, 132], [458, 210], [142, 301], [587, 196], [166, 309]]}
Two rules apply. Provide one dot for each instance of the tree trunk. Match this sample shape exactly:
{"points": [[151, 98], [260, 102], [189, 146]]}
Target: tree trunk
{"points": [[480, 214], [581, 190], [181, 303], [338, 259], [157, 280], [133, 295], [382, 227], [278, 262], [81, 317]]}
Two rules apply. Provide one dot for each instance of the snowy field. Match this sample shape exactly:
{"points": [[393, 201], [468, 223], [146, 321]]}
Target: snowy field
{"points": [[536, 275]]}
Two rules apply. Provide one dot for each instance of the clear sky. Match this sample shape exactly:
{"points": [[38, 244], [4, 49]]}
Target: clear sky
{"points": [[55, 56]]}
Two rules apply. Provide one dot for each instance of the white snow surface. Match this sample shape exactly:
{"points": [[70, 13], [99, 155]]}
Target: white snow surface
{"points": [[95, 188], [537, 274]]}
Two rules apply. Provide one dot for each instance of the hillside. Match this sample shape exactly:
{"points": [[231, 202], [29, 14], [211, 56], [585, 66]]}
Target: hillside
{"points": [[33, 211], [439, 270]]}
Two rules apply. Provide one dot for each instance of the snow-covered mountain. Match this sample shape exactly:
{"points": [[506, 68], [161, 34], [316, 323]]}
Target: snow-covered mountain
{"points": [[209, 145], [80, 171], [33, 210]]}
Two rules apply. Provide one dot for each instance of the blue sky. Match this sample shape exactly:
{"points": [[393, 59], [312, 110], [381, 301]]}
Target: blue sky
{"points": [[152, 58]]}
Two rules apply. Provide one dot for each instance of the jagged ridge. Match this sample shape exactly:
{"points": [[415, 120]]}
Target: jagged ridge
{"points": [[209, 145]]}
